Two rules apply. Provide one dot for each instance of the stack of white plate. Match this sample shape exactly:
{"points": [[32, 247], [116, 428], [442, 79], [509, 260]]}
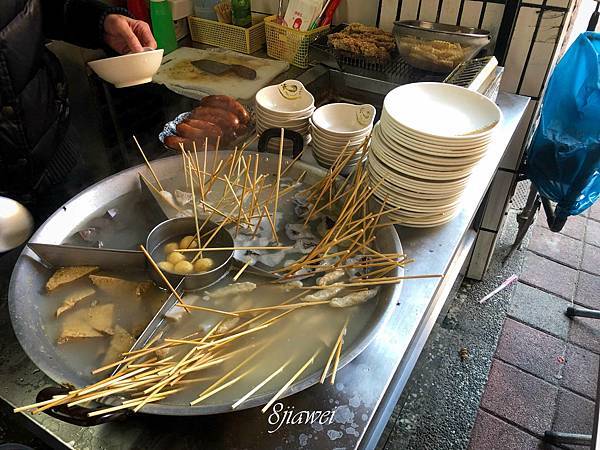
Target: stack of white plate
{"points": [[429, 139], [287, 105], [340, 127]]}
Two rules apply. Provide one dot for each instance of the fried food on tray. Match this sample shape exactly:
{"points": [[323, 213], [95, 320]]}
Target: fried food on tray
{"points": [[66, 275], [73, 299], [95, 321], [362, 40], [120, 342]]}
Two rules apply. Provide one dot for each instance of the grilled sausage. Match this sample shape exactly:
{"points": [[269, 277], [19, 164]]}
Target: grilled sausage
{"points": [[199, 130], [228, 103], [175, 141], [225, 119]]}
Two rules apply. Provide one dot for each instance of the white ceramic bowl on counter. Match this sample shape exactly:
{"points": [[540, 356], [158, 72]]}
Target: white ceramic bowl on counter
{"points": [[128, 70], [287, 105]]}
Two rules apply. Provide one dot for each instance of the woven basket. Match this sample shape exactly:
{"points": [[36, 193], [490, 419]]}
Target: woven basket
{"points": [[239, 39], [287, 44]]}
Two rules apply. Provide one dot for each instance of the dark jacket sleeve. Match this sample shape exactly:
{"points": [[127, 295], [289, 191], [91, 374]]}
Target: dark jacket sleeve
{"points": [[80, 22]]}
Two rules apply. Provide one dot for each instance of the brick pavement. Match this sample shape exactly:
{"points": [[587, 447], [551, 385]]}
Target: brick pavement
{"points": [[545, 370]]}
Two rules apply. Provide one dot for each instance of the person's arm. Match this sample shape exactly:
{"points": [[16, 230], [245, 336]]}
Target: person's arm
{"points": [[93, 24]]}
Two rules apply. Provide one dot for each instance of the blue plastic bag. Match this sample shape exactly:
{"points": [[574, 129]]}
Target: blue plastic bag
{"points": [[564, 157]]}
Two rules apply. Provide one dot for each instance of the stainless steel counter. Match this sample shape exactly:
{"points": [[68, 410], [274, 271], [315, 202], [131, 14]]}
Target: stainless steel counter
{"points": [[365, 391]]}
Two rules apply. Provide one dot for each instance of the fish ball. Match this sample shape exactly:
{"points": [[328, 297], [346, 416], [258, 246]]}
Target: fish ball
{"points": [[166, 265], [203, 264], [175, 257], [188, 242], [183, 267], [171, 247]]}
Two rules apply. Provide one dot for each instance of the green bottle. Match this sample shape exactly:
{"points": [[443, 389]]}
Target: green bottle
{"points": [[241, 13], [162, 25]]}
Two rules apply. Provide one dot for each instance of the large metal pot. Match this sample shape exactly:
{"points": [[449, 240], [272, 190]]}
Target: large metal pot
{"points": [[29, 276]]}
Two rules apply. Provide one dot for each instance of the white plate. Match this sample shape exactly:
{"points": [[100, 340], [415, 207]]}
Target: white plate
{"points": [[442, 110], [344, 119], [429, 173], [437, 151], [396, 128], [423, 161], [413, 184]]}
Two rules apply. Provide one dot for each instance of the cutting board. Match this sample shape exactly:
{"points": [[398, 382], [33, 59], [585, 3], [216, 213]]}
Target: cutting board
{"points": [[177, 73]]}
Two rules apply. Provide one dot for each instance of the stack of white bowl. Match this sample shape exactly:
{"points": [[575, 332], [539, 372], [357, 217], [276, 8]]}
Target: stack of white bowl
{"points": [[430, 138], [287, 105], [340, 127]]}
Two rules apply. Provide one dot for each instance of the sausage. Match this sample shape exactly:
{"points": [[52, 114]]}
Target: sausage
{"points": [[223, 118], [227, 121], [228, 103], [198, 130], [175, 141]]}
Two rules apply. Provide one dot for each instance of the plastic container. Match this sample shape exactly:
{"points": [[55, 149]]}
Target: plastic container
{"points": [[241, 13], [239, 39], [162, 25], [205, 9], [287, 44], [437, 47]]}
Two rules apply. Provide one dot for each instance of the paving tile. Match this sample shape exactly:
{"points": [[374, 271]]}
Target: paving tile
{"points": [[588, 290], [549, 276], [585, 333], [556, 246], [574, 227], [491, 433], [591, 259], [574, 414], [541, 310], [592, 233], [581, 371], [531, 350], [520, 398], [595, 211]]}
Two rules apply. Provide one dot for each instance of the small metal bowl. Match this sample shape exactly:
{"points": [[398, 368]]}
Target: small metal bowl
{"points": [[175, 229]]}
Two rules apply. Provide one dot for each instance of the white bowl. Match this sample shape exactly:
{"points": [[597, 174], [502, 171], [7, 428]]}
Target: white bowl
{"points": [[287, 98], [336, 140], [128, 70], [336, 149], [304, 115], [340, 137], [281, 123], [344, 119], [442, 110]]}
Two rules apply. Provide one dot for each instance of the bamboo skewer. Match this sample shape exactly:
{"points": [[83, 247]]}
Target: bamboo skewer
{"points": [[334, 351], [338, 353], [148, 164], [260, 385], [163, 277], [290, 381], [243, 268]]}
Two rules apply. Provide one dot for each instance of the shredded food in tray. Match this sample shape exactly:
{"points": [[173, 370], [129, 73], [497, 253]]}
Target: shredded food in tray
{"points": [[432, 55]]}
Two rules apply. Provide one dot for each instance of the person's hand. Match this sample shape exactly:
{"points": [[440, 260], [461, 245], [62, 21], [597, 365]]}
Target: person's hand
{"points": [[126, 35]]}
